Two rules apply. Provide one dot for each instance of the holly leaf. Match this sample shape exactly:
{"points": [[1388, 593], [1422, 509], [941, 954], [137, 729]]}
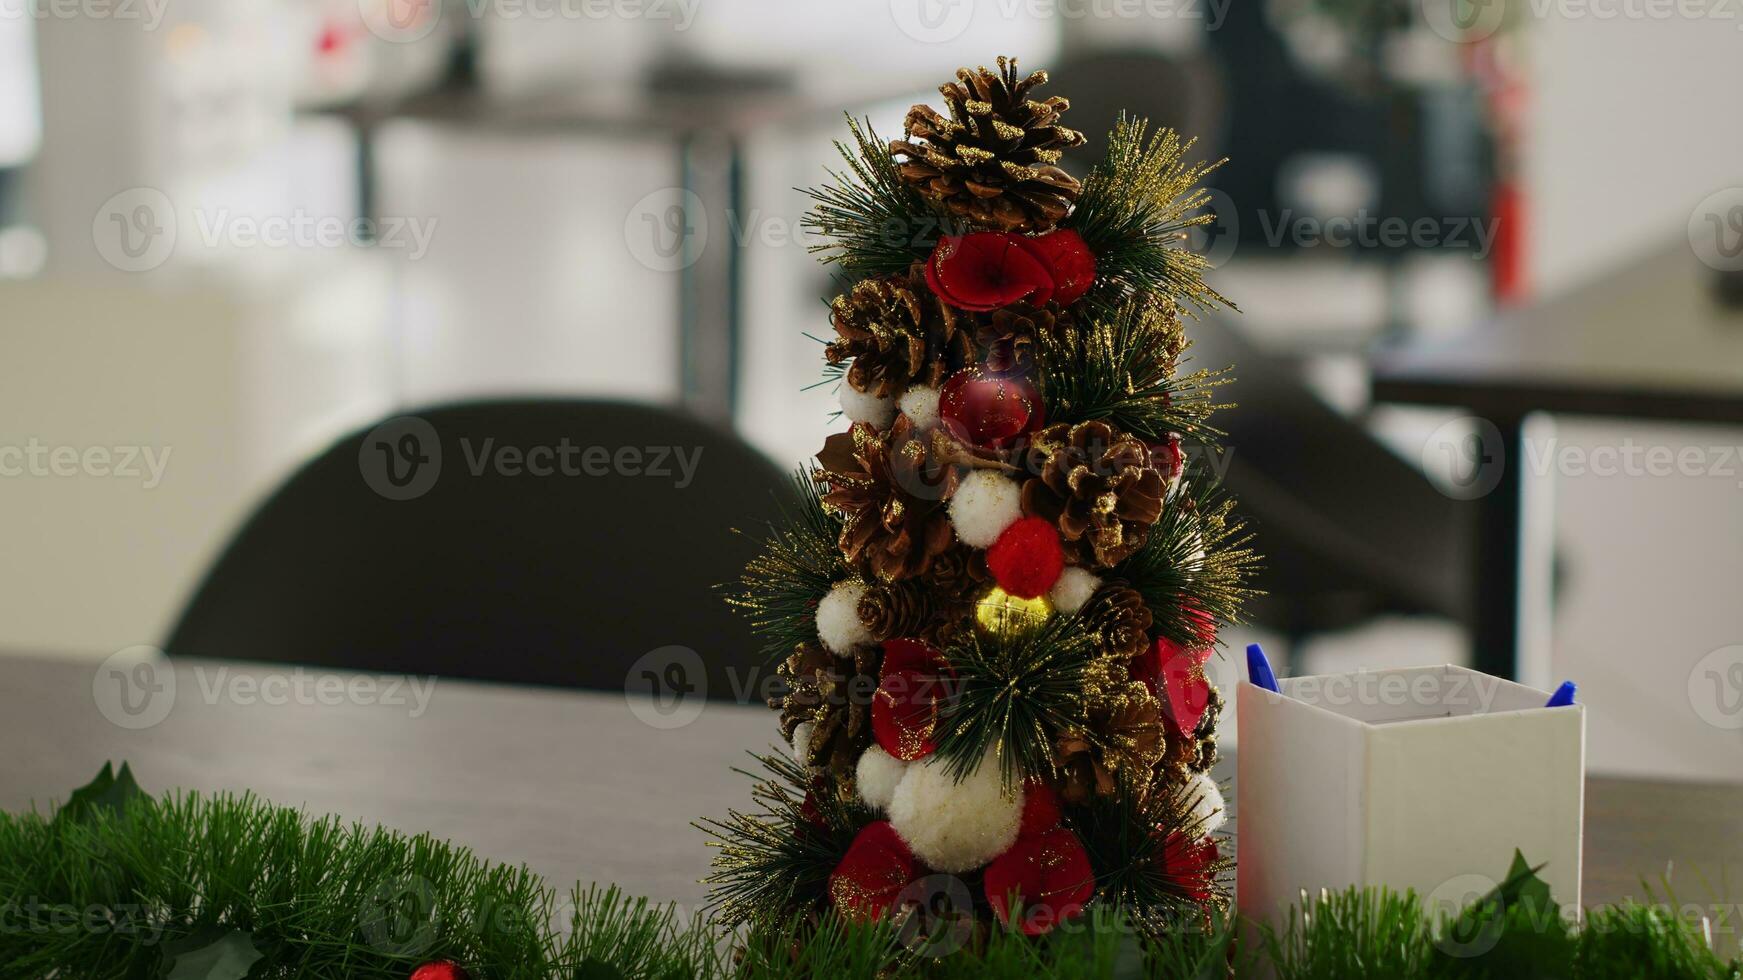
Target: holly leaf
{"points": [[109, 792], [228, 957], [1523, 886]]}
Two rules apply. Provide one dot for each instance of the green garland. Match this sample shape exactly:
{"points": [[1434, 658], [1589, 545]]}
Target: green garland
{"points": [[120, 886]]}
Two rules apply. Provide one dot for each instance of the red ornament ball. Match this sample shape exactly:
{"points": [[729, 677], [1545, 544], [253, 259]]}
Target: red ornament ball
{"points": [[440, 970], [989, 411], [1027, 558]]}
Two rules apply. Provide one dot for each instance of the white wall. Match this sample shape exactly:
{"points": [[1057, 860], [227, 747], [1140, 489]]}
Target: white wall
{"points": [[1632, 123]]}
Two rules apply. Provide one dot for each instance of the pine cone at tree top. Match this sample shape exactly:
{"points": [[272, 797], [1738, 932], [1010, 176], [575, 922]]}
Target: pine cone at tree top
{"points": [[896, 333], [1098, 485], [891, 495], [1120, 619], [994, 160], [833, 695], [1010, 336]]}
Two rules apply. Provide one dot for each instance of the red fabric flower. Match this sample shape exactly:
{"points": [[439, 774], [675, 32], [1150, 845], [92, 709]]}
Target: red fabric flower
{"points": [[1050, 876], [1027, 558], [440, 970], [1186, 864], [873, 872], [987, 270], [914, 680], [1069, 263]]}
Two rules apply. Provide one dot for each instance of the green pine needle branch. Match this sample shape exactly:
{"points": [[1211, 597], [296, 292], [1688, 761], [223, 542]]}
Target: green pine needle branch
{"points": [[775, 862], [875, 222], [1136, 207], [801, 559], [1015, 692], [1196, 557], [1122, 369]]}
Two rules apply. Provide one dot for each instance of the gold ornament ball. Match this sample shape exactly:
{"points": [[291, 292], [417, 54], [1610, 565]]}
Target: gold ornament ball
{"points": [[998, 613]]}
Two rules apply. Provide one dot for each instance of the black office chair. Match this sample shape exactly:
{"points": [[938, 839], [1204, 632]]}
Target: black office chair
{"points": [[453, 542], [1348, 530]]}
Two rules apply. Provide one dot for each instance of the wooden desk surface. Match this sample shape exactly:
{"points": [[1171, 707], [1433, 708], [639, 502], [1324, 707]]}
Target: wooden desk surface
{"points": [[1648, 341], [573, 784]]}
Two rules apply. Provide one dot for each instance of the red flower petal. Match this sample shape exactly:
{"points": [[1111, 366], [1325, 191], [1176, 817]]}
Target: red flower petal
{"points": [[1041, 811], [1027, 558], [905, 654], [905, 713], [1186, 691], [1050, 876], [1186, 865], [875, 869], [986, 270], [1069, 263]]}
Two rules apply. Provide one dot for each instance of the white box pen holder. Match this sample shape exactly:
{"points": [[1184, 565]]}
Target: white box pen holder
{"points": [[1424, 778]]}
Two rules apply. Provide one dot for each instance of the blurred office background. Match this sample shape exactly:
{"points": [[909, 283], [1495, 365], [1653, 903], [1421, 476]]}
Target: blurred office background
{"points": [[521, 166]]}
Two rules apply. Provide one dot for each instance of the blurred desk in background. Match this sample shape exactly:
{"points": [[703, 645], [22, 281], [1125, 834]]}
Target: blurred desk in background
{"points": [[1649, 342], [573, 784]]}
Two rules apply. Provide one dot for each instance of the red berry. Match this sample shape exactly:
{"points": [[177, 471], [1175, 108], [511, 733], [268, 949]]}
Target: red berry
{"points": [[1027, 558]]}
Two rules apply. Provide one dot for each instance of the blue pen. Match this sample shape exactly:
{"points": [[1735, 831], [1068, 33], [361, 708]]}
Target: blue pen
{"points": [[1563, 696], [1259, 669]]}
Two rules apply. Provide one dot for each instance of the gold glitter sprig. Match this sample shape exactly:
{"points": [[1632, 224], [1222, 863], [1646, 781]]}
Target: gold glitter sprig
{"points": [[774, 863], [1136, 207], [800, 560], [1195, 563], [1123, 370]]}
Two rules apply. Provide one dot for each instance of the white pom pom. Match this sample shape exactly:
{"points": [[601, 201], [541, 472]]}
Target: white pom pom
{"points": [[984, 505], [870, 409], [878, 773], [920, 405], [838, 624], [953, 826], [1073, 589], [802, 741], [1208, 809]]}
